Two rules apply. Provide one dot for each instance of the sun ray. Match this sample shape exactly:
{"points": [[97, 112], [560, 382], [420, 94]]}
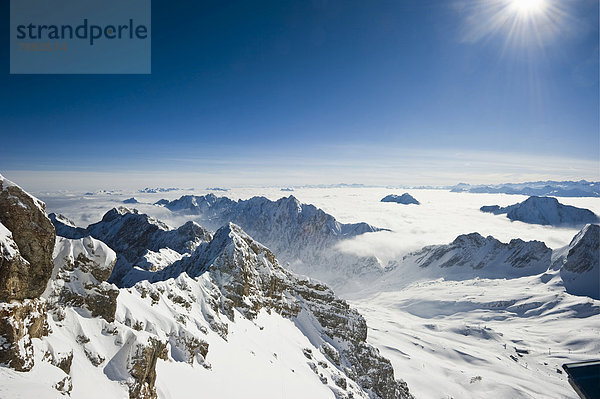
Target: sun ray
{"points": [[523, 23]]}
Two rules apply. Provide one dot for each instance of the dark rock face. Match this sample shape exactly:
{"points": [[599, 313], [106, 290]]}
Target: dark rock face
{"points": [[65, 227], [19, 323], [545, 211], [25, 217], [405, 199], [143, 369]]}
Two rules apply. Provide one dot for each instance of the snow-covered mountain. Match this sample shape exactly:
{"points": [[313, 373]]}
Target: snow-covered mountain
{"points": [[472, 256], [467, 257], [545, 211], [579, 263], [405, 199], [581, 188], [301, 235], [225, 321], [138, 239]]}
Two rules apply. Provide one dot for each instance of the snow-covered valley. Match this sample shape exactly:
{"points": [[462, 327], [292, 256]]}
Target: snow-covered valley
{"points": [[483, 337]]}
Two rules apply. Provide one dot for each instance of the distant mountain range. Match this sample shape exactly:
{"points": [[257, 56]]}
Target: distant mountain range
{"points": [[301, 235], [581, 188], [149, 190]]}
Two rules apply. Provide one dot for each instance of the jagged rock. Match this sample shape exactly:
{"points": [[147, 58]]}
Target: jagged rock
{"points": [[65, 386], [131, 235], [81, 268], [278, 223], [19, 323], [405, 199], [65, 227], [472, 254], [33, 233], [62, 360], [545, 211], [302, 236], [143, 369], [14, 278], [135, 364], [185, 347]]}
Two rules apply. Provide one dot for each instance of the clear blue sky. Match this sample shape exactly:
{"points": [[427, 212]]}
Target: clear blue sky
{"points": [[285, 84]]}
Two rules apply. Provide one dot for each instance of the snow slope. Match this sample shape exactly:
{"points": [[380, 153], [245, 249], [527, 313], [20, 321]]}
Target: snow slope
{"points": [[484, 337]]}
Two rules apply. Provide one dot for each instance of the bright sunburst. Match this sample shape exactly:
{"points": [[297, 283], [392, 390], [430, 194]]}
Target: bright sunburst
{"points": [[528, 7], [522, 23]]}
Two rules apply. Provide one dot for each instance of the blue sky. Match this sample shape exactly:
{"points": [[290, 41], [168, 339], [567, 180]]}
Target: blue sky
{"points": [[325, 91]]}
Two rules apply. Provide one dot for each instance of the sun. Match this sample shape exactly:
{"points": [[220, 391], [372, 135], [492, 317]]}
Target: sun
{"points": [[530, 24], [527, 7]]}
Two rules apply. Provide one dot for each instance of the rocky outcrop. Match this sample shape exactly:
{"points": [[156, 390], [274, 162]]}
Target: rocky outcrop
{"points": [[81, 268], [143, 369], [24, 274], [405, 199], [544, 211], [135, 365], [20, 322]]}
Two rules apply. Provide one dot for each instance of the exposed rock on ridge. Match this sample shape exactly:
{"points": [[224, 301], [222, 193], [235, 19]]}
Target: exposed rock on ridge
{"points": [[81, 268], [24, 274]]}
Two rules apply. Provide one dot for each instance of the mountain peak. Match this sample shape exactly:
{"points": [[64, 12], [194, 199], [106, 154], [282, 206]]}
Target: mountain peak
{"points": [[405, 199], [545, 211], [581, 268]]}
